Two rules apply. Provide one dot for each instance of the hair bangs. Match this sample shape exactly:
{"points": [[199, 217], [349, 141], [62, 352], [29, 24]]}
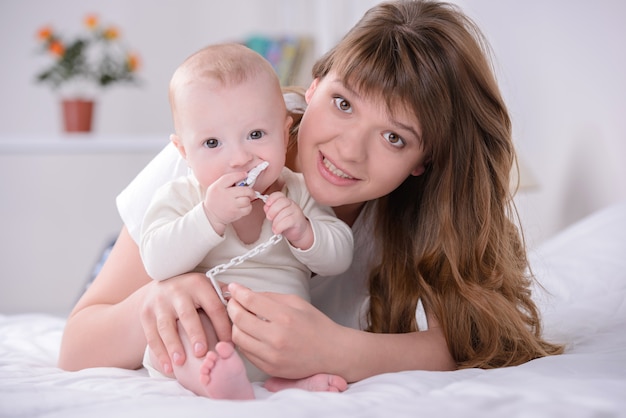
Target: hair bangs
{"points": [[383, 74]]}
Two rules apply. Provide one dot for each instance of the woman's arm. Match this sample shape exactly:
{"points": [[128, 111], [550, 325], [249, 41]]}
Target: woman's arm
{"points": [[287, 337], [124, 308]]}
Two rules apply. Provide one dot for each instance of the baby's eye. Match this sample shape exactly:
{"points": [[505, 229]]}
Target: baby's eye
{"points": [[211, 143], [394, 139], [342, 104], [256, 134]]}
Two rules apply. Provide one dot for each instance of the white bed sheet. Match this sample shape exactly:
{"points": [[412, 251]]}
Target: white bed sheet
{"points": [[583, 269]]}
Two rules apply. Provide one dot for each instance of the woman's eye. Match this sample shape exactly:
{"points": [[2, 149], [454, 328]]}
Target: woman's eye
{"points": [[256, 134], [394, 139], [211, 143], [342, 104]]}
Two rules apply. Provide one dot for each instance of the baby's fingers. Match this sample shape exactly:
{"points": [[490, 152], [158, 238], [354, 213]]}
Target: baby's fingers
{"points": [[275, 204]]}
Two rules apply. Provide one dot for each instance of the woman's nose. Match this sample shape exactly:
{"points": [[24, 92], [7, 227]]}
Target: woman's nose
{"points": [[352, 145]]}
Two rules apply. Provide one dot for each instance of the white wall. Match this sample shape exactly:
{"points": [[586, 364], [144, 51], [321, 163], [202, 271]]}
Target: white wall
{"points": [[57, 214], [164, 32], [561, 65]]}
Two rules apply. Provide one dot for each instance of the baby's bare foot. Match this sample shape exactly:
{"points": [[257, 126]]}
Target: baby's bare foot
{"points": [[223, 374], [317, 383]]}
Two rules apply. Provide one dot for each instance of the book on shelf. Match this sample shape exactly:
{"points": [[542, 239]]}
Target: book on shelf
{"points": [[285, 53]]}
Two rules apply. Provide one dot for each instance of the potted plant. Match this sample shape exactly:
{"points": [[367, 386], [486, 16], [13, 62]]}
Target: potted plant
{"points": [[94, 60]]}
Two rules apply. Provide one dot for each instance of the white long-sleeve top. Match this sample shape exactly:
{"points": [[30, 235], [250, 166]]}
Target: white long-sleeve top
{"points": [[177, 237]]}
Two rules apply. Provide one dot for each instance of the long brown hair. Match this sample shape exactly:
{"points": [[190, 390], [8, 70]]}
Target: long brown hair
{"points": [[458, 249]]}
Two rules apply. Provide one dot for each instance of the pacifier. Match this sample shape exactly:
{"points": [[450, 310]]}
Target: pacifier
{"points": [[253, 174]]}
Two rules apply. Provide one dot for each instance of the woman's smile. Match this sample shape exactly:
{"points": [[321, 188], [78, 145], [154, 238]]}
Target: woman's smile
{"points": [[334, 174], [333, 168]]}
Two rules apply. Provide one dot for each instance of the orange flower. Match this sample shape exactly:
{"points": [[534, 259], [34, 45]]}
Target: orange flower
{"points": [[132, 62], [96, 56], [111, 33], [56, 48], [44, 33], [91, 21]]}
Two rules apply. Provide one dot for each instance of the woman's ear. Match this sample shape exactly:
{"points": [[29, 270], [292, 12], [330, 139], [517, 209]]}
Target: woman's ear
{"points": [[179, 145], [309, 92], [419, 170]]}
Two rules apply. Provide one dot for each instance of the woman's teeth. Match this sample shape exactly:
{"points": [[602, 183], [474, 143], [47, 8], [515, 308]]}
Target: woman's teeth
{"points": [[331, 167]]}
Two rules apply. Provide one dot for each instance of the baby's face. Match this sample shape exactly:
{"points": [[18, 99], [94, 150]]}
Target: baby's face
{"points": [[233, 128]]}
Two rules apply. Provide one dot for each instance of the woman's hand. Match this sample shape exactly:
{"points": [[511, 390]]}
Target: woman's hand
{"points": [[286, 336], [283, 335], [178, 299]]}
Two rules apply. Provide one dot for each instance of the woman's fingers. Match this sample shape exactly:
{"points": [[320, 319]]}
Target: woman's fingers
{"points": [[172, 305], [275, 332], [189, 322], [259, 304], [202, 296], [250, 333], [208, 300], [159, 328]]}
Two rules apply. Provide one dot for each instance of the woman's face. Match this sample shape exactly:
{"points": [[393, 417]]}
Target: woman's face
{"points": [[351, 149]]}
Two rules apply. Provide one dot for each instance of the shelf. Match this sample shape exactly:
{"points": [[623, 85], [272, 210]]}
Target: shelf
{"points": [[80, 144]]}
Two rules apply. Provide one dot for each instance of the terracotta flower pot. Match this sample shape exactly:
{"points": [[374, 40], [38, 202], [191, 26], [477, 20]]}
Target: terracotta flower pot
{"points": [[77, 115]]}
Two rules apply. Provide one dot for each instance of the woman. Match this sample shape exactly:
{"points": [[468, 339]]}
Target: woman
{"points": [[406, 136]]}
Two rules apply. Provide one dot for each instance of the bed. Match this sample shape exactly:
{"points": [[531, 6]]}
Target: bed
{"points": [[582, 299]]}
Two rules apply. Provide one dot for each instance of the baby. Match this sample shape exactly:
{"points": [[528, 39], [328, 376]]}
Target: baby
{"points": [[229, 118]]}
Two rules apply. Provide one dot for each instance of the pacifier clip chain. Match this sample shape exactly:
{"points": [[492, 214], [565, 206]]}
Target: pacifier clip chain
{"points": [[274, 239]]}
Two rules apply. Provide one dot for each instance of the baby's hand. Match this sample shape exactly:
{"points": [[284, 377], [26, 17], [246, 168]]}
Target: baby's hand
{"points": [[224, 202], [288, 219]]}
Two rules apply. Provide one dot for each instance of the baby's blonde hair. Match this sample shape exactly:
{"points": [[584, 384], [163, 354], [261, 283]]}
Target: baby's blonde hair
{"points": [[227, 63]]}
